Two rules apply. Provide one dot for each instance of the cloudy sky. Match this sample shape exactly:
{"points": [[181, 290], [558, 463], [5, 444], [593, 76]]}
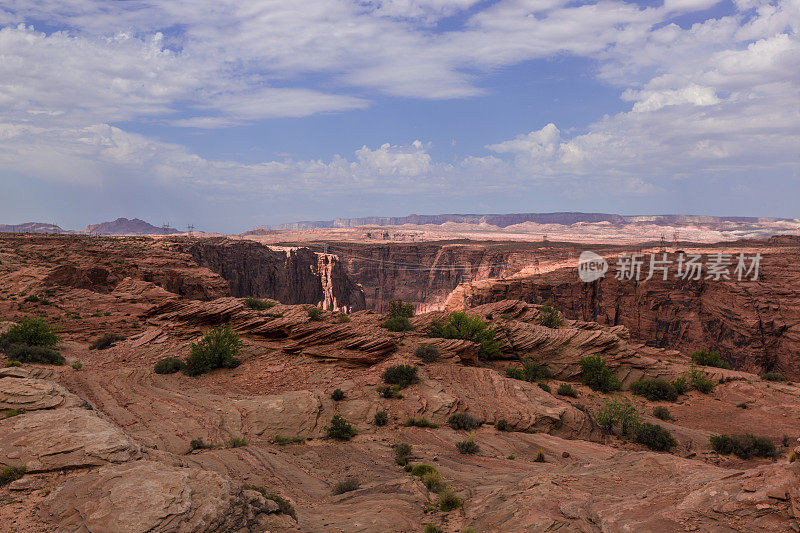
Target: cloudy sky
{"points": [[230, 114]]}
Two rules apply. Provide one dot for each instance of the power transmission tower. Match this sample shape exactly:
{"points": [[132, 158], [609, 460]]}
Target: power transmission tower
{"points": [[190, 228]]}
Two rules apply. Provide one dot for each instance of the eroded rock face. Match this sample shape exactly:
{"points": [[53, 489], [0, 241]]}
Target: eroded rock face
{"points": [[63, 438], [29, 394], [146, 496]]}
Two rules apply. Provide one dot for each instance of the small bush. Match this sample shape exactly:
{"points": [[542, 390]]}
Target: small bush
{"points": [[661, 412], [35, 354], [549, 317], [402, 375], [397, 324], [502, 425], [168, 365], [713, 358], [386, 391], [463, 421], [743, 446], [793, 456], [217, 349], [539, 457], [381, 418], [399, 308], [340, 429], [106, 340], [402, 451], [314, 314], [511, 457], [655, 390], [597, 375], [348, 485], [337, 395], [257, 304], [773, 376], [422, 469], [460, 325], [655, 437], [237, 442], [77, 365], [515, 373], [432, 528], [199, 444], [30, 332], [420, 422], [11, 473], [700, 380], [10, 364], [427, 353], [680, 385], [448, 500], [544, 386], [342, 319], [12, 412], [619, 413], [284, 507], [434, 482], [283, 441], [468, 446], [565, 389]]}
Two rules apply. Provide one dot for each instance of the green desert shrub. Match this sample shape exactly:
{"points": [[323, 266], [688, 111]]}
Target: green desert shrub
{"points": [[427, 353], [654, 437], [237, 442], [13, 412], [502, 425], [30, 332], [11, 473], [420, 422], [700, 380], [168, 365], [422, 469], [280, 440], [432, 528], [548, 316], [284, 507], [106, 340], [655, 390], [402, 375], [598, 375], [448, 500], [397, 324], [385, 391], [257, 304], [77, 365], [399, 308], [544, 386], [618, 413], [337, 395], [314, 314], [381, 418], [340, 429], [217, 349], [680, 385], [342, 319], [713, 358], [539, 457], [434, 482], [34, 354], [10, 364], [347, 485], [773, 376], [468, 446], [565, 389], [661, 412], [460, 325], [743, 446], [463, 421], [200, 444], [402, 452]]}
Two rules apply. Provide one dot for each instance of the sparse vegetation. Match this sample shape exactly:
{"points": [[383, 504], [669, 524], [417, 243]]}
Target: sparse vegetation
{"points": [[463, 421], [342, 319], [11, 473], [565, 389], [35, 354], [217, 349], [432, 528], [10, 364], [284, 507], [661, 412], [655, 390], [531, 371], [618, 413], [381, 418], [420, 422], [549, 317], [713, 358], [428, 353], [106, 340], [402, 452], [347, 485], [337, 395], [30, 332], [744, 446], [544, 386], [773, 376], [460, 325], [654, 437], [340, 429], [539, 457], [397, 324], [597, 375], [399, 308], [680, 385], [386, 391], [283, 441], [12, 412], [468, 446], [237, 442], [700, 380], [314, 314], [77, 365], [200, 444], [448, 500], [402, 375], [422, 469], [434, 482], [502, 425], [257, 304], [168, 365]]}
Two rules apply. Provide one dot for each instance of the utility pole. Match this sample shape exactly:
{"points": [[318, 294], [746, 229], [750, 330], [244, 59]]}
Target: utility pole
{"points": [[190, 228]]}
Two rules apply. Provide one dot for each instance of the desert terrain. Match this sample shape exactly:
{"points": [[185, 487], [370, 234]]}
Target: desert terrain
{"points": [[323, 425]]}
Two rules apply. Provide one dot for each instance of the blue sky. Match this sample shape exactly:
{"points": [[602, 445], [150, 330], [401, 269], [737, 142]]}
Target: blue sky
{"points": [[229, 115]]}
